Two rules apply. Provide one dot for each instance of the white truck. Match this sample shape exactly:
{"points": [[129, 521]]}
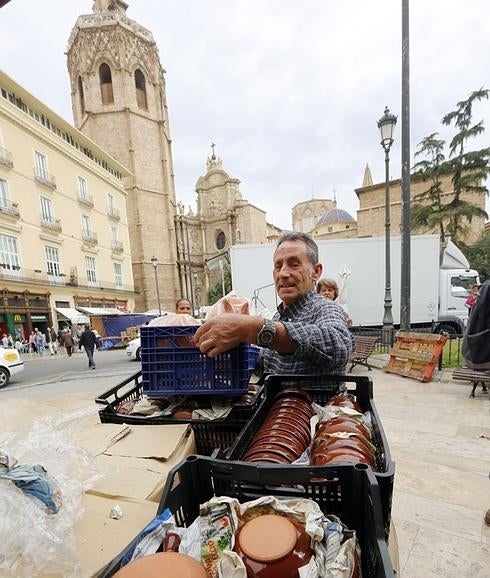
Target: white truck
{"points": [[440, 279]]}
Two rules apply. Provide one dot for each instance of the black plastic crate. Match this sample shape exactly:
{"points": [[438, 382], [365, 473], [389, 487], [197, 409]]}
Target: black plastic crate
{"points": [[209, 435], [321, 389], [170, 365], [351, 493]]}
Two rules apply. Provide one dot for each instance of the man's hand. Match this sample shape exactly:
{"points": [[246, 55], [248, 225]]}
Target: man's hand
{"points": [[226, 331]]}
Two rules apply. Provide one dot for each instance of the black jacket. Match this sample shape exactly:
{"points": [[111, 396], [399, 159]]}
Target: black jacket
{"points": [[476, 341], [88, 339]]}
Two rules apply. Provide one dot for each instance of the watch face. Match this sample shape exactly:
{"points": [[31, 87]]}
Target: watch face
{"points": [[267, 334]]}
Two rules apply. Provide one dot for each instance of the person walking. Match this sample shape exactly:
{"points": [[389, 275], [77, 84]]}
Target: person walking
{"points": [[39, 341], [88, 339], [68, 342], [5, 341], [52, 341]]}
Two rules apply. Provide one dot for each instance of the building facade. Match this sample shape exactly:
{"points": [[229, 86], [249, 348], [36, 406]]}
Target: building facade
{"points": [[64, 238], [223, 218]]}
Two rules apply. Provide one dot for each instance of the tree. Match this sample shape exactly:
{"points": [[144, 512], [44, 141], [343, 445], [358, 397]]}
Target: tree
{"points": [[430, 214], [479, 256], [216, 291], [469, 169]]}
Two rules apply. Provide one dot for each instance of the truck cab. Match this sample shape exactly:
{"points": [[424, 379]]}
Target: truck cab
{"points": [[454, 288]]}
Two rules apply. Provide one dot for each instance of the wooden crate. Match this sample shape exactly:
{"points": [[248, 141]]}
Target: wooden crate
{"points": [[415, 355]]}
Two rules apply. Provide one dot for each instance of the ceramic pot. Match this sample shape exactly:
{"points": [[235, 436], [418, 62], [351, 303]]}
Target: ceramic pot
{"points": [[273, 546]]}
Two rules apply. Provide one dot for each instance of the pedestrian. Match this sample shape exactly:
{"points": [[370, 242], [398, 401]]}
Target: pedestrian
{"points": [[472, 297], [183, 306], [39, 341], [88, 339], [52, 341], [5, 341], [308, 333], [68, 342], [32, 342], [330, 290]]}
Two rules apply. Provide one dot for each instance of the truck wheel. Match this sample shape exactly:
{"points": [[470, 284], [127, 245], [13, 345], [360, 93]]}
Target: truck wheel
{"points": [[449, 329], [138, 354], [4, 377]]}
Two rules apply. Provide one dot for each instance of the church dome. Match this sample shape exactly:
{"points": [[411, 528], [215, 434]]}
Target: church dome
{"points": [[335, 216]]}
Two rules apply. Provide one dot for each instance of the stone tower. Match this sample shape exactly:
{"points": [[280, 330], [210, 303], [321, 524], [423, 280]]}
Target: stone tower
{"points": [[119, 101]]}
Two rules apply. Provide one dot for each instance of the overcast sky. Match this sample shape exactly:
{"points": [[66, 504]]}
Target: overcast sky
{"points": [[289, 91]]}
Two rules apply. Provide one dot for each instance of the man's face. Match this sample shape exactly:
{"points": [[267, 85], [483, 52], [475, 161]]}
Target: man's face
{"points": [[294, 274], [184, 307]]}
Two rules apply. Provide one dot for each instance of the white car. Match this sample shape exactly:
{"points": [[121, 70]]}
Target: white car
{"points": [[10, 364], [133, 349]]}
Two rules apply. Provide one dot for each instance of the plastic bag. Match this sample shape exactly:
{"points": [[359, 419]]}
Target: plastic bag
{"points": [[230, 303], [33, 540]]}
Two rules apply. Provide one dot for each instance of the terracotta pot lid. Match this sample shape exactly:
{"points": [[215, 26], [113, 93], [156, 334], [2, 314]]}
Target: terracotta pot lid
{"points": [[268, 538], [161, 565]]}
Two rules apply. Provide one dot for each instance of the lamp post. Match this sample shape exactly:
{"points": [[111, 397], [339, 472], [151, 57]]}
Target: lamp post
{"points": [[154, 262], [386, 125]]}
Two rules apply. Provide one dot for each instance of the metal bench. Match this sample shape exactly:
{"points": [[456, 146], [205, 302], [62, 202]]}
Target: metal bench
{"points": [[477, 377], [363, 349]]}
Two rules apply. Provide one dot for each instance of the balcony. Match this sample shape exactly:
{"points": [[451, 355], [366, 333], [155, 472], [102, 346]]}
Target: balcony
{"points": [[117, 247], [85, 199], [6, 158], [38, 277], [89, 237], [50, 224], [44, 178], [10, 209], [113, 213]]}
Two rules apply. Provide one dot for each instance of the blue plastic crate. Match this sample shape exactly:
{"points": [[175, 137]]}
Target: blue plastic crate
{"points": [[169, 366]]}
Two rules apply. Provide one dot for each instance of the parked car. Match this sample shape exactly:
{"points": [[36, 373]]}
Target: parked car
{"points": [[10, 364], [133, 349]]}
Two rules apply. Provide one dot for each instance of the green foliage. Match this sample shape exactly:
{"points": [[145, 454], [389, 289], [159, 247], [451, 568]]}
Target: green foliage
{"points": [[479, 256], [469, 169], [216, 291]]}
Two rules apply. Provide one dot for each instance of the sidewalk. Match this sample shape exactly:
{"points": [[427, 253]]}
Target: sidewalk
{"points": [[440, 441]]}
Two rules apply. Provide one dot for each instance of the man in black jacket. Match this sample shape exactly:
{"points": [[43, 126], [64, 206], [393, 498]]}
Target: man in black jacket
{"points": [[88, 339]]}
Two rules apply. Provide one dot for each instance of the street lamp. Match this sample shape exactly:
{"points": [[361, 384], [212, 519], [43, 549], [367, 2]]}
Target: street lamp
{"points": [[154, 262], [386, 125]]}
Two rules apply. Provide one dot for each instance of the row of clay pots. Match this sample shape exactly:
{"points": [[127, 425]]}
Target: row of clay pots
{"points": [[285, 433], [343, 438]]}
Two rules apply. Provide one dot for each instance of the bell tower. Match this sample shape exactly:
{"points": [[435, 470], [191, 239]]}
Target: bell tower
{"points": [[119, 101]]}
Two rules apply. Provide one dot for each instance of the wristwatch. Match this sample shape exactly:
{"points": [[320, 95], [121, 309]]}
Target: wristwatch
{"points": [[267, 335]]}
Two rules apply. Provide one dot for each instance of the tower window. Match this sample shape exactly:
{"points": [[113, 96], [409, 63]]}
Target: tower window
{"points": [[80, 94], [105, 78], [140, 84], [220, 241]]}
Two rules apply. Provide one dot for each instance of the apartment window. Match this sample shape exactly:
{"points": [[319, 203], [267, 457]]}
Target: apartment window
{"points": [[41, 166], [53, 266], [114, 234], [91, 271], [4, 194], [111, 203], [82, 188], [9, 254], [47, 213], [118, 278], [86, 225]]}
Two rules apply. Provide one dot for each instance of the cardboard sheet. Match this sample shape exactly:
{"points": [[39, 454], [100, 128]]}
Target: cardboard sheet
{"points": [[148, 441]]}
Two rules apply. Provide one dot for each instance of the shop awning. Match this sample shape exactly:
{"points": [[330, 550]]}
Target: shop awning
{"points": [[73, 315], [100, 310]]}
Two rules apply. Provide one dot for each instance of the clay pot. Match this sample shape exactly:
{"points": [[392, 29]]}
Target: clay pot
{"points": [[343, 455], [345, 401], [163, 565], [273, 546], [343, 425]]}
